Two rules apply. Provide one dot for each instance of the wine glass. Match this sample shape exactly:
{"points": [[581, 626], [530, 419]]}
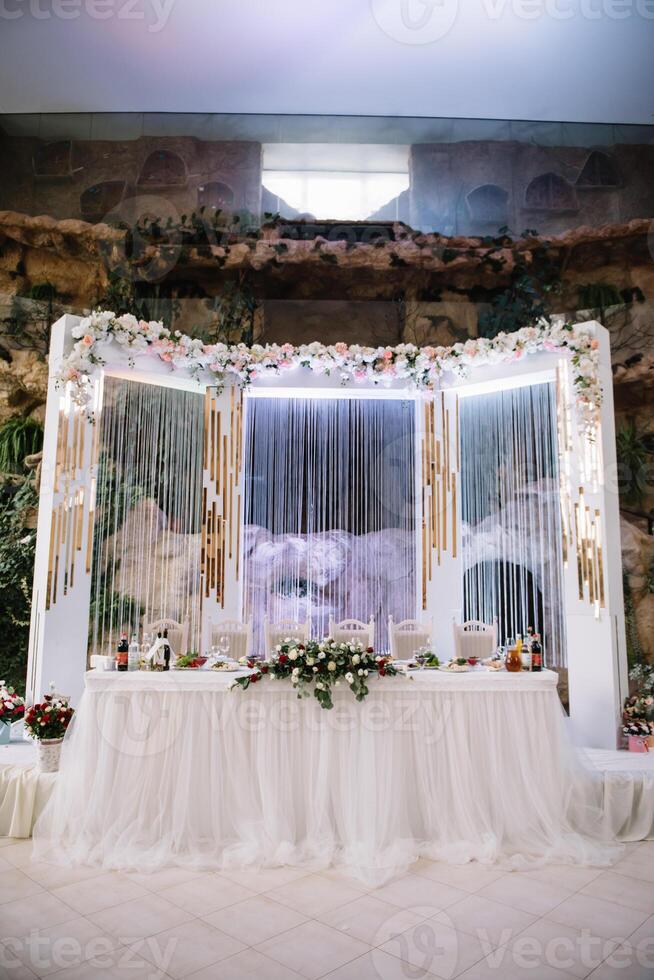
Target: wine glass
{"points": [[421, 656], [223, 646]]}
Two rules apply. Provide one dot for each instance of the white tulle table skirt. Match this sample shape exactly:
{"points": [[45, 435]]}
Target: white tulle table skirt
{"points": [[175, 769]]}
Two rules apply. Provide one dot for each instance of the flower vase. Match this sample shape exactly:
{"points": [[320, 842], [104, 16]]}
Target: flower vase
{"points": [[5, 733], [48, 751]]}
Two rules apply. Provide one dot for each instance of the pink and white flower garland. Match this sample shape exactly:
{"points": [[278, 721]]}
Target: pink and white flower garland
{"points": [[419, 367]]}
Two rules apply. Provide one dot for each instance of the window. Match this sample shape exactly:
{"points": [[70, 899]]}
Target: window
{"points": [[53, 160], [599, 170], [96, 201], [488, 204], [163, 169], [550, 192], [216, 195]]}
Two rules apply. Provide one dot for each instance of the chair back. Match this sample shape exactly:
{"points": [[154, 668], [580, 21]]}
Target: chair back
{"points": [[276, 633], [177, 633], [408, 636], [353, 629], [475, 639], [239, 635]]}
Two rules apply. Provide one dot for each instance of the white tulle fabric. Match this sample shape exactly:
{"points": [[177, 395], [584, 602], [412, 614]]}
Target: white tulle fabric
{"points": [[173, 769]]}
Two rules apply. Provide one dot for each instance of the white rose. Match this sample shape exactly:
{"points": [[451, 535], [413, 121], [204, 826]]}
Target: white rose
{"points": [[349, 678], [321, 655], [360, 672], [331, 665], [292, 655], [356, 658], [315, 670], [365, 673], [296, 671], [319, 685], [310, 661]]}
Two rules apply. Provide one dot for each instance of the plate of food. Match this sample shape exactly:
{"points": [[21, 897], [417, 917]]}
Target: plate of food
{"points": [[432, 662], [226, 666], [189, 662], [494, 663], [459, 665]]}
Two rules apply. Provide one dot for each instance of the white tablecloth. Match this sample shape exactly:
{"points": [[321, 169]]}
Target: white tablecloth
{"points": [[173, 768]]}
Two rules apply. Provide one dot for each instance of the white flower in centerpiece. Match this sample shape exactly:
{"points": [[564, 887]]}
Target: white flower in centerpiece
{"points": [[349, 678], [331, 665], [360, 672], [310, 661], [321, 655], [319, 685], [296, 671], [365, 673], [292, 655], [315, 670], [356, 658]]}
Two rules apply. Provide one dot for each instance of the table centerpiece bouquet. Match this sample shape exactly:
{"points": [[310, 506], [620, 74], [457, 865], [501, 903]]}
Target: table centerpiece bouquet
{"points": [[12, 708], [319, 666]]}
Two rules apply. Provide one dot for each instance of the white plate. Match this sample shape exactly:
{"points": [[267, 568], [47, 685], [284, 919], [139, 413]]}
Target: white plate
{"points": [[460, 670], [227, 670]]}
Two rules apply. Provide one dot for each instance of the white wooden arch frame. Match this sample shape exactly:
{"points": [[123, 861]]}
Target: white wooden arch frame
{"points": [[594, 616]]}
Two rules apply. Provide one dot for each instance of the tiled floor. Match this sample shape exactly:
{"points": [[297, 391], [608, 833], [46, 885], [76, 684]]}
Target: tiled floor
{"points": [[436, 921]]}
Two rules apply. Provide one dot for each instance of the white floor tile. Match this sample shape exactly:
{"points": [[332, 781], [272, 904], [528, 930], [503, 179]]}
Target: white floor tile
{"points": [[247, 965], [94, 894], [490, 922], [602, 918], [146, 916], [122, 964], [626, 963], [377, 965], [206, 894], [638, 862], [371, 920], [156, 881], [468, 877], [36, 912], [562, 947], [14, 885], [266, 879], [411, 891], [525, 894], [631, 892], [562, 875], [64, 945], [255, 920], [499, 966], [313, 949], [436, 948], [314, 894], [188, 948]]}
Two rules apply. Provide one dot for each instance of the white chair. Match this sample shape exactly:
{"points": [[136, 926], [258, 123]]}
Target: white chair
{"points": [[177, 633], [276, 633], [239, 634], [475, 639], [408, 636], [353, 629]]}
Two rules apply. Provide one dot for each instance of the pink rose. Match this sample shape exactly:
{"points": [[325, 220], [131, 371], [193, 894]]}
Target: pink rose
{"points": [[87, 339], [388, 355]]}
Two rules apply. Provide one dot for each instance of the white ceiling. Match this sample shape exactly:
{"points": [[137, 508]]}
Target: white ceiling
{"points": [[583, 61]]}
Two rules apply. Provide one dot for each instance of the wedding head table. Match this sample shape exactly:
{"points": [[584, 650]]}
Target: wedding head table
{"points": [[177, 769]]}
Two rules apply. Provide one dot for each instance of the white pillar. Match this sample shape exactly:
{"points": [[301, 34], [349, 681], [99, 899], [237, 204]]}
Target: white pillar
{"points": [[440, 571], [62, 570], [222, 508], [597, 658]]}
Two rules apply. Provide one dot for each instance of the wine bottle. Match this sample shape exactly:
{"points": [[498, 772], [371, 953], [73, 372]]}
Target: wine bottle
{"points": [[166, 650], [133, 654], [536, 654], [123, 653]]}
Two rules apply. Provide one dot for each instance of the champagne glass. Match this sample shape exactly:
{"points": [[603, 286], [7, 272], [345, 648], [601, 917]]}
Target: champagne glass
{"points": [[223, 646]]}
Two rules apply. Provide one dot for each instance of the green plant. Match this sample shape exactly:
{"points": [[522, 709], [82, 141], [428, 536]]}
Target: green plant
{"points": [[532, 277], [17, 547], [19, 437], [633, 449]]}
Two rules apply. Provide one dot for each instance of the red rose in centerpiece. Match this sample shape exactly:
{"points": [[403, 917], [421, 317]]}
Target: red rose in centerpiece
{"points": [[282, 659]]}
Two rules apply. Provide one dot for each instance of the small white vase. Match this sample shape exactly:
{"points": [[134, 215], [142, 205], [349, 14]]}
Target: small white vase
{"points": [[48, 751]]}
